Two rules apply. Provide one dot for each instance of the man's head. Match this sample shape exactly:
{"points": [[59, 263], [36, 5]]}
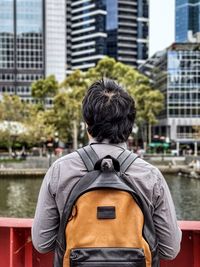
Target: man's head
{"points": [[109, 112]]}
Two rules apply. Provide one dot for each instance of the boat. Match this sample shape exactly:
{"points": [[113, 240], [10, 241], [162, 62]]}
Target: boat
{"points": [[16, 249]]}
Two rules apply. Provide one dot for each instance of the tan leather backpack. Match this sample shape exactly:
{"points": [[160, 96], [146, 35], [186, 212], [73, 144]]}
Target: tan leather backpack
{"points": [[106, 222]]}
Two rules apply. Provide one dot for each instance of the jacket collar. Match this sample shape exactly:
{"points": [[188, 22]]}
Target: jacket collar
{"points": [[106, 142]]}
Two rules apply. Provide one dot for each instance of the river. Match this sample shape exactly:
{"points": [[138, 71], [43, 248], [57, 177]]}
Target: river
{"points": [[18, 197]]}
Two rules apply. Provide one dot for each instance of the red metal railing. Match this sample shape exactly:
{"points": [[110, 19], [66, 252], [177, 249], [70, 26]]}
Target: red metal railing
{"points": [[16, 248]]}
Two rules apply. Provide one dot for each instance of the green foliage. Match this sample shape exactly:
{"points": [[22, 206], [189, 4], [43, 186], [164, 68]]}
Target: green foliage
{"points": [[149, 102], [12, 109], [105, 67], [5, 139], [22, 123], [38, 127], [67, 100], [67, 104], [43, 88], [13, 113]]}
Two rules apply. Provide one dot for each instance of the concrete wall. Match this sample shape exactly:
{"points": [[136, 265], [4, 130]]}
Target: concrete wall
{"points": [[29, 163]]}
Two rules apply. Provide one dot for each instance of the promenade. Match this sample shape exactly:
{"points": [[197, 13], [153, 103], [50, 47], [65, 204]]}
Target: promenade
{"points": [[37, 166], [9, 172]]}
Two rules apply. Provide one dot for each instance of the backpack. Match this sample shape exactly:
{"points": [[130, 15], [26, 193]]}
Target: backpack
{"points": [[106, 222]]}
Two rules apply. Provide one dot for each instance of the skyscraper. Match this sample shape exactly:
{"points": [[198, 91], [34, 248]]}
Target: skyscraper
{"points": [[32, 44], [117, 28], [187, 18]]}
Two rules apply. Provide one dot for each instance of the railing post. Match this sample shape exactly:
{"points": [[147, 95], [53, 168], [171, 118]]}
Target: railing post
{"points": [[196, 246], [11, 247], [28, 249]]}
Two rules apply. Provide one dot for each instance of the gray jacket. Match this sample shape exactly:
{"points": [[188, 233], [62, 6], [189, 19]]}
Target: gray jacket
{"points": [[65, 172]]}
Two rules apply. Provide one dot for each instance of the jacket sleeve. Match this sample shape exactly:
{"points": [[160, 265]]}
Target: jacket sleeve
{"points": [[46, 221], [164, 217]]}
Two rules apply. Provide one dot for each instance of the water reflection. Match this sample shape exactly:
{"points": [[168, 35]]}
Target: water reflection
{"points": [[186, 196], [18, 197]]}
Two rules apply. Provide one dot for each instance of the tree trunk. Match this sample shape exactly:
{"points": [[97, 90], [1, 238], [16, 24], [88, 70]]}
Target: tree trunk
{"points": [[75, 135], [10, 150], [144, 136], [149, 133]]}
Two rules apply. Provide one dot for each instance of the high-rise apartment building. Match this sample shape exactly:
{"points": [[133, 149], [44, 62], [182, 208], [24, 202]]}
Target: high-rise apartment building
{"points": [[187, 18], [32, 44], [176, 73], [117, 28]]}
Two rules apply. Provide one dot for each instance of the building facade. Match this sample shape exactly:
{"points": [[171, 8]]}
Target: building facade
{"points": [[29, 44], [187, 18], [176, 73], [117, 28], [55, 38]]}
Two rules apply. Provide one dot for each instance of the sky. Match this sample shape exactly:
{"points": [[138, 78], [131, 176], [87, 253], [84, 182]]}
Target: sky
{"points": [[162, 25]]}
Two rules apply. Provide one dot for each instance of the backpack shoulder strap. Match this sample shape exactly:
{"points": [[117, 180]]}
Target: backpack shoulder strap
{"points": [[88, 156], [126, 158]]}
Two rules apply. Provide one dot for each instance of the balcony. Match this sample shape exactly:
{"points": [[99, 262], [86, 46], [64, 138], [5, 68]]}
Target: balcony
{"points": [[193, 136]]}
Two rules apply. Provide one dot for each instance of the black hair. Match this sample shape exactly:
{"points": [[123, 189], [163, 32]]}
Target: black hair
{"points": [[109, 111]]}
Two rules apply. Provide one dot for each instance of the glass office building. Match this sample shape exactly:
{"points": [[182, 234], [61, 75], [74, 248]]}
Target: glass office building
{"points": [[23, 50], [176, 73], [187, 16], [117, 28], [55, 38]]}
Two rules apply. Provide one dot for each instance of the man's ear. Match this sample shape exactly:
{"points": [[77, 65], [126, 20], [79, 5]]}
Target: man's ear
{"points": [[89, 136]]}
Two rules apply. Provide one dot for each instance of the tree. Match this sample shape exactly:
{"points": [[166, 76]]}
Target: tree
{"points": [[23, 123], [12, 109], [13, 114], [149, 102], [66, 116], [43, 88], [105, 67], [67, 106], [6, 139], [39, 127]]}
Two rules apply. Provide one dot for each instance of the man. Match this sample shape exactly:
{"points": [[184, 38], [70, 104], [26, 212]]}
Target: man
{"points": [[109, 113]]}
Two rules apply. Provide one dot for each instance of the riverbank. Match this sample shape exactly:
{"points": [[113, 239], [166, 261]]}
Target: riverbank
{"points": [[22, 173], [38, 173], [37, 166]]}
